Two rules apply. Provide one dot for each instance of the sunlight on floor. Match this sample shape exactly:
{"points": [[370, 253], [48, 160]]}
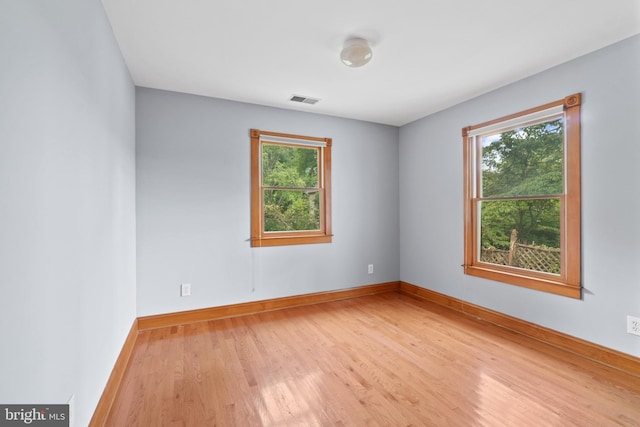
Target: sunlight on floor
{"points": [[499, 403], [286, 402]]}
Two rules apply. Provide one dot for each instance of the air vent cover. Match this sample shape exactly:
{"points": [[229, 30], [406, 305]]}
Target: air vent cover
{"points": [[303, 99]]}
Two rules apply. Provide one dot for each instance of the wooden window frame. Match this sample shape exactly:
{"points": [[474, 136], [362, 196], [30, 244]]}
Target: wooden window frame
{"points": [[259, 237], [567, 283]]}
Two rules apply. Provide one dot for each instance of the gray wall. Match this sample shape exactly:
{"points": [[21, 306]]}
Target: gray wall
{"points": [[431, 213], [193, 205], [67, 202]]}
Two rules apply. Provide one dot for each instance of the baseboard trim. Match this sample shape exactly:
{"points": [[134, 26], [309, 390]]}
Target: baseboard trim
{"points": [[115, 379], [205, 314], [580, 347]]}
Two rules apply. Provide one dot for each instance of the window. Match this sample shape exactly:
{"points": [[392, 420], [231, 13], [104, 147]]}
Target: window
{"points": [[290, 189], [522, 198]]}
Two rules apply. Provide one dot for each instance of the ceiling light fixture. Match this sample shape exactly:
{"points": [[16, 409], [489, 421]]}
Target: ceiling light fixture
{"points": [[356, 52]]}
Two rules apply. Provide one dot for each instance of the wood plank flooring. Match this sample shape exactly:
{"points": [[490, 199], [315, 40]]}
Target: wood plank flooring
{"points": [[381, 360]]}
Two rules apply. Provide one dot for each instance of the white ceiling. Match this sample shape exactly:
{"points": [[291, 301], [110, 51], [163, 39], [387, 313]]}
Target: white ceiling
{"points": [[428, 54]]}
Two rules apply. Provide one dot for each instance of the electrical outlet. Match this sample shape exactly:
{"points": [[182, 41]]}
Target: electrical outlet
{"points": [[633, 325], [185, 289], [370, 269]]}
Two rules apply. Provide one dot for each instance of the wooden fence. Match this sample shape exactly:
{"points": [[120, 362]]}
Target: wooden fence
{"points": [[539, 258]]}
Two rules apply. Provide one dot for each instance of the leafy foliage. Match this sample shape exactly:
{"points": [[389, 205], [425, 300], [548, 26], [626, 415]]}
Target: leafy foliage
{"points": [[523, 162], [291, 194]]}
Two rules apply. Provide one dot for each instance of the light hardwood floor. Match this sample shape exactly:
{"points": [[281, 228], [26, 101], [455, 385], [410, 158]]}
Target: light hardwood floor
{"points": [[381, 360]]}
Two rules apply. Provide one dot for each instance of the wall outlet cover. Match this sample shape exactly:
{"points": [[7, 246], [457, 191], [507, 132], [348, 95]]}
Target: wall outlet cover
{"points": [[633, 325], [185, 289]]}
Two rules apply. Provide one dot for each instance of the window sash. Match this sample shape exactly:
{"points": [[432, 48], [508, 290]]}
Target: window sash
{"points": [[319, 163], [549, 115], [480, 247], [316, 191]]}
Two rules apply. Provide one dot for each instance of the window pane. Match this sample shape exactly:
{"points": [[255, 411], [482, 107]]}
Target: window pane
{"points": [[291, 210], [286, 166], [533, 226], [523, 162]]}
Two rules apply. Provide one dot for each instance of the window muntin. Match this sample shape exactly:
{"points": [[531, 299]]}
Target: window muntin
{"points": [[522, 198], [291, 194]]}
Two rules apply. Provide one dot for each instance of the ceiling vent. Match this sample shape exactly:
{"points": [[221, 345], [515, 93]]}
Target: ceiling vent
{"points": [[303, 99]]}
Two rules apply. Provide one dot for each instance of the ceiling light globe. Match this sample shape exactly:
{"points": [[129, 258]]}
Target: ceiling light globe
{"points": [[356, 52]]}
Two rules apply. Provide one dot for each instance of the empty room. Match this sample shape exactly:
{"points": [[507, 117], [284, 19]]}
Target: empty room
{"points": [[286, 213]]}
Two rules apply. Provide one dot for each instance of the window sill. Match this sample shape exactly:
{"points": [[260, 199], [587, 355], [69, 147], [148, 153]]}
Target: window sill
{"points": [[543, 284], [290, 240]]}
